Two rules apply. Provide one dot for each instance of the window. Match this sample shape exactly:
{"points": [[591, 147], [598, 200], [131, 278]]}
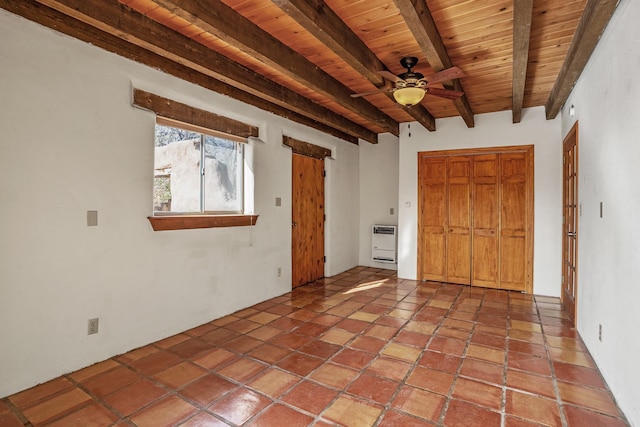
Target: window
{"points": [[190, 179], [199, 176]]}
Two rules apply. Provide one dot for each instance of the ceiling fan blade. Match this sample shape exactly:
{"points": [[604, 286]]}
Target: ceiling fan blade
{"points": [[444, 75], [444, 93], [373, 92], [390, 76]]}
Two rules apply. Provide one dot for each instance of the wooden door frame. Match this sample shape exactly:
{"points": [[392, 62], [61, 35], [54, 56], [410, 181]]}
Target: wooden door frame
{"points": [[572, 136], [530, 203]]}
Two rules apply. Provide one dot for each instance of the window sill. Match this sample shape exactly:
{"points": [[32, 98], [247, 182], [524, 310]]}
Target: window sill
{"points": [[186, 222]]}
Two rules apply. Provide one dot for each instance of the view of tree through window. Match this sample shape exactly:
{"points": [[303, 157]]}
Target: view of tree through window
{"points": [[188, 179]]}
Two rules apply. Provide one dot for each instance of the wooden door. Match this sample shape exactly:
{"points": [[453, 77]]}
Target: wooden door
{"points": [[486, 225], [570, 223], [514, 190], [432, 183], [458, 220], [307, 216]]}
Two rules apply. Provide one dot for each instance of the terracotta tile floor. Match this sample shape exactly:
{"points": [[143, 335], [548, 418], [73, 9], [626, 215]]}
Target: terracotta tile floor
{"points": [[359, 349]]}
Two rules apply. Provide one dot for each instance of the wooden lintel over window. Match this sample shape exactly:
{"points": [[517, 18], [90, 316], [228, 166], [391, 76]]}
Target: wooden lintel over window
{"points": [[205, 120], [182, 222], [306, 149]]}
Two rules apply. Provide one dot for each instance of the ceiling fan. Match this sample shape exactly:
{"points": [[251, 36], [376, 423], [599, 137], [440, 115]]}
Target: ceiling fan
{"points": [[410, 87]]}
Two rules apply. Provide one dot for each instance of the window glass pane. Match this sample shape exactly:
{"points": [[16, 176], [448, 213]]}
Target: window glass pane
{"points": [[176, 170], [223, 175]]}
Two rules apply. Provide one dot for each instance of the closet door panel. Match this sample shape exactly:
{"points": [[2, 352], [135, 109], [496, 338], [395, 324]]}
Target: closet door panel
{"points": [[458, 251], [513, 269], [485, 221], [432, 219], [513, 232]]}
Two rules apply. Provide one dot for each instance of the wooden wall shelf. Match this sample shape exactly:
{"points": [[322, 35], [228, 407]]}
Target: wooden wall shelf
{"points": [[186, 222]]}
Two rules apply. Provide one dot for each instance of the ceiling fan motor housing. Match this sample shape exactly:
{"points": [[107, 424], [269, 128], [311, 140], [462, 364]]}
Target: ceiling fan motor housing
{"points": [[410, 78], [409, 62]]}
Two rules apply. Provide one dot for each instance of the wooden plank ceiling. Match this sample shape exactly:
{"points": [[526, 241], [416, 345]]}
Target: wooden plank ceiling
{"points": [[303, 59]]}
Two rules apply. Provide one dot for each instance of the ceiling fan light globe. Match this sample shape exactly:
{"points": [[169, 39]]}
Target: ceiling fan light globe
{"points": [[409, 96]]}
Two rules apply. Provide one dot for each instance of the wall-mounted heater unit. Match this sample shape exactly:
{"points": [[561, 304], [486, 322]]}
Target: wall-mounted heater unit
{"points": [[384, 243]]}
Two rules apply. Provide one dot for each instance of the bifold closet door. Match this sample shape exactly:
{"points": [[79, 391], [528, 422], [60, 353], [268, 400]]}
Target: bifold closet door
{"points": [[476, 217], [432, 188], [458, 224], [514, 218], [486, 221]]}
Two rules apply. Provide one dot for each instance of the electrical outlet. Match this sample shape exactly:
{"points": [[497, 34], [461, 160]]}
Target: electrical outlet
{"points": [[279, 271], [600, 333], [93, 326], [391, 211]]}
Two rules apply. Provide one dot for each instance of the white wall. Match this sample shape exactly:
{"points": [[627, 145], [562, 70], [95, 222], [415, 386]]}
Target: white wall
{"points": [[608, 112], [378, 192], [491, 130], [342, 205], [72, 142]]}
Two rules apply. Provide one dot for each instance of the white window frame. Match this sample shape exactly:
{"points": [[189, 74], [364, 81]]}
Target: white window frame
{"points": [[202, 133]]}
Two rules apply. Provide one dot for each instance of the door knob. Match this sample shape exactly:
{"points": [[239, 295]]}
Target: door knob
{"points": [[571, 234], [294, 224]]}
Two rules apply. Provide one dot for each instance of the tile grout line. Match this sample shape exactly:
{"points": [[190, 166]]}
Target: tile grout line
{"points": [[318, 417], [19, 414], [402, 382], [377, 355], [505, 365], [554, 377], [456, 375], [170, 391]]}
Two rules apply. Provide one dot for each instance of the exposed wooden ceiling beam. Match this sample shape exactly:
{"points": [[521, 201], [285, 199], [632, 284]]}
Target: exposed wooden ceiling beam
{"points": [[421, 24], [43, 15], [595, 18], [127, 24], [522, 10], [321, 21], [220, 20], [420, 114]]}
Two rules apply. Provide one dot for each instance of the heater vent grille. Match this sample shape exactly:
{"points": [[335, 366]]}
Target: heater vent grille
{"points": [[384, 243]]}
